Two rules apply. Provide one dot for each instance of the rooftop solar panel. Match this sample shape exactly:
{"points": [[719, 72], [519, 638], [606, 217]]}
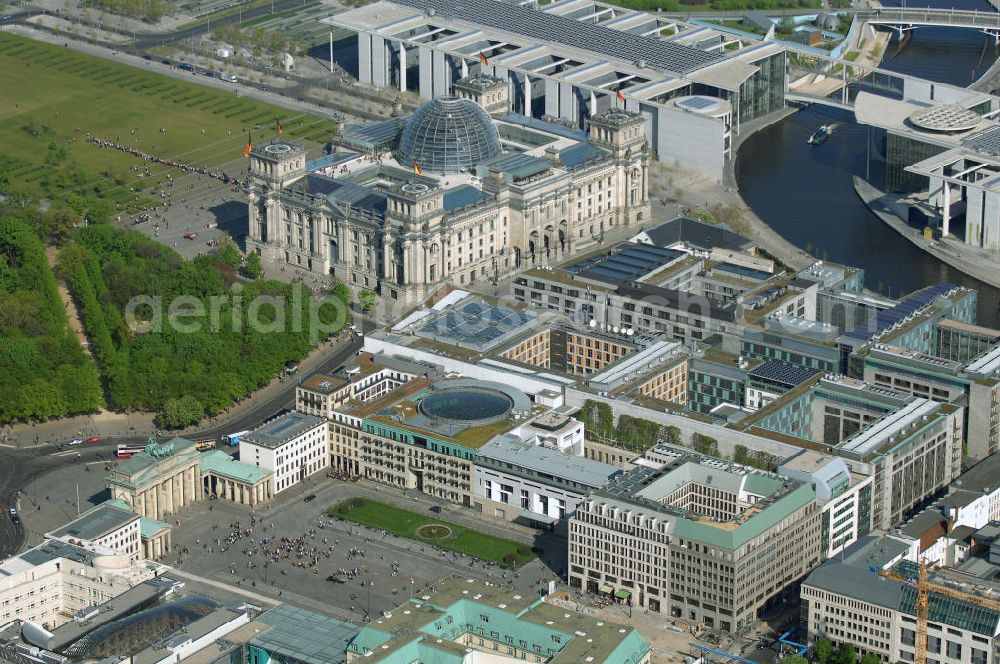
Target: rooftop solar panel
{"points": [[889, 317], [668, 57], [986, 141], [700, 102]]}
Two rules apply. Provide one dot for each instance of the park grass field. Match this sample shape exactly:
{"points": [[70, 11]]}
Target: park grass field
{"points": [[55, 96], [424, 528]]}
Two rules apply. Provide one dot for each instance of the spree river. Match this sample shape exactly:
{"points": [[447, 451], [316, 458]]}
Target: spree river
{"points": [[805, 193]]}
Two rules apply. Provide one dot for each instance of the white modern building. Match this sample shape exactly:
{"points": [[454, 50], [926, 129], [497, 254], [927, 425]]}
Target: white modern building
{"points": [[846, 497], [51, 582], [519, 476], [574, 59], [106, 526], [293, 447]]}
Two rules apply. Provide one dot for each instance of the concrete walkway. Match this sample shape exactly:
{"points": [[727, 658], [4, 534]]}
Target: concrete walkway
{"points": [[769, 240], [973, 262]]}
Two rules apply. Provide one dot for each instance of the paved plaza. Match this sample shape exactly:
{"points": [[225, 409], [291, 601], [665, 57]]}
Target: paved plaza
{"points": [[291, 550]]}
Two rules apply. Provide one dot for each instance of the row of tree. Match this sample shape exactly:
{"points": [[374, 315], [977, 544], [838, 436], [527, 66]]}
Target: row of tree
{"points": [[44, 371], [826, 652], [184, 338]]}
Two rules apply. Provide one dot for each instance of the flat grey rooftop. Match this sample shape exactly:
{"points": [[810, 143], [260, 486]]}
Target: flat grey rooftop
{"points": [[851, 573], [283, 429], [545, 460], [96, 523], [983, 477], [539, 26]]}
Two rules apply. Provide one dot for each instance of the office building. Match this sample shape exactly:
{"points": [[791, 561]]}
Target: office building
{"points": [[105, 526], [848, 600], [696, 538], [466, 620], [911, 446], [290, 447], [51, 582], [693, 86]]}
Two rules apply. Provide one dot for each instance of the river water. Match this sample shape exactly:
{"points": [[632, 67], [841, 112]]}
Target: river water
{"points": [[805, 192]]}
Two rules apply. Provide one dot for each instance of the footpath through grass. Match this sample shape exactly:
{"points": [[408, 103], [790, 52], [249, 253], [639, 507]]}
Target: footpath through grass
{"points": [[429, 530], [54, 96]]}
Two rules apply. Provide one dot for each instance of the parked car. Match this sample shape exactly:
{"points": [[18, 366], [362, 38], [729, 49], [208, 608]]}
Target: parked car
{"points": [[436, 509], [190, 235], [76, 441], [308, 499], [94, 439], [186, 66]]}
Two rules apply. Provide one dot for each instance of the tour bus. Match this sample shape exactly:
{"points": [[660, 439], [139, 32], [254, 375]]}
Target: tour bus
{"points": [[203, 445], [234, 438], [126, 451]]}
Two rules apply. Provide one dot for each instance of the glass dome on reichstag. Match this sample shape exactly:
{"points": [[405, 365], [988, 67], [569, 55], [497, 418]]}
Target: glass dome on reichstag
{"points": [[447, 135]]}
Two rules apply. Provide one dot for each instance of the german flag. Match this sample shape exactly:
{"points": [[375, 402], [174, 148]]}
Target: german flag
{"points": [[619, 96], [277, 126], [416, 168], [483, 60], [249, 147]]}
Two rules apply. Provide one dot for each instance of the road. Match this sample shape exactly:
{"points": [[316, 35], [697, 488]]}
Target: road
{"points": [[19, 466]]}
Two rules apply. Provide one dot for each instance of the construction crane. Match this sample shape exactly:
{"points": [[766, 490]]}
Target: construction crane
{"points": [[924, 587]]}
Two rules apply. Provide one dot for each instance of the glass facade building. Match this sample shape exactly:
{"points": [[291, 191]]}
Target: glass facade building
{"points": [[900, 152], [448, 135], [764, 92]]}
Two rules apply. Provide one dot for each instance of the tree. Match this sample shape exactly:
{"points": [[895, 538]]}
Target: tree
{"points": [[845, 654], [341, 291], [253, 268], [55, 225], [823, 648], [795, 659], [870, 658], [367, 299], [705, 444], [673, 435], [230, 255], [180, 412]]}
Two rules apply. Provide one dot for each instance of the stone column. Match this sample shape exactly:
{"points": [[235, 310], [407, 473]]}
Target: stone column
{"points": [[527, 95], [406, 263], [195, 485], [946, 208], [364, 58], [156, 503], [168, 494]]}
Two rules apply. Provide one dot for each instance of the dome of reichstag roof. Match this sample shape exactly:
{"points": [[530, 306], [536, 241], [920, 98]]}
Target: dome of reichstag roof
{"points": [[447, 135]]}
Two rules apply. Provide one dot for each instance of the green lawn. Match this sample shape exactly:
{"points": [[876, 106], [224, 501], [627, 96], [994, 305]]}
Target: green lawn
{"points": [[404, 523], [55, 96]]}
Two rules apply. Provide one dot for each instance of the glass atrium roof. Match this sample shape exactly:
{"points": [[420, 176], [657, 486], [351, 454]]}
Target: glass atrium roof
{"points": [[447, 135]]}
